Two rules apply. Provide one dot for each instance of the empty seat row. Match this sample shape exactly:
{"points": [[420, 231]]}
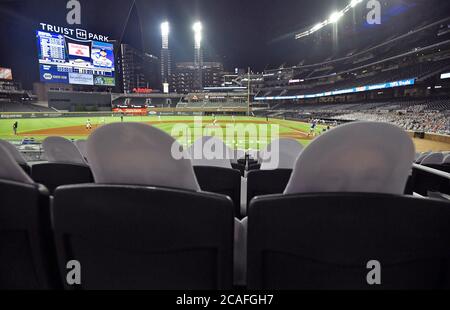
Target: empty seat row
{"points": [[67, 166], [433, 158]]}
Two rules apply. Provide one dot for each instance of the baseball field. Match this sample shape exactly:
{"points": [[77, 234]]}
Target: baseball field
{"points": [[247, 130], [256, 132]]}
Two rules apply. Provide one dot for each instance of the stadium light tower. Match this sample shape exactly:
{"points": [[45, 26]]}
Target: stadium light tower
{"points": [[317, 27], [165, 30], [332, 20], [335, 17], [355, 3], [198, 27], [166, 63], [198, 57]]}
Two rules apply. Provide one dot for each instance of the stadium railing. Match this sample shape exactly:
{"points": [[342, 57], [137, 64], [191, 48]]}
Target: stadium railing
{"points": [[430, 182]]}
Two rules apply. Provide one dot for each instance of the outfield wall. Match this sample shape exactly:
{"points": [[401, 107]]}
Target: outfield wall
{"points": [[79, 101], [153, 111], [430, 137]]}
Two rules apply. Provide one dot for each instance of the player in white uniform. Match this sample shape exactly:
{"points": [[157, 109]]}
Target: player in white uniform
{"points": [[88, 124]]}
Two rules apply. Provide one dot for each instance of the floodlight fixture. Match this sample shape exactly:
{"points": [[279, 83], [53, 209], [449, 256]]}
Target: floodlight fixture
{"points": [[335, 17], [198, 27], [165, 29], [355, 3]]}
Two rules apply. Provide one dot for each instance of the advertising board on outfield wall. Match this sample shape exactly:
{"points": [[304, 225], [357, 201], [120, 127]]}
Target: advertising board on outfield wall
{"points": [[380, 86], [133, 111]]}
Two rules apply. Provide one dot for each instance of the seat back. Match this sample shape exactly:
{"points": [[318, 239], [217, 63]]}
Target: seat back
{"points": [[355, 157], [27, 252], [280, 154], [325, 241], [221, 181], [421, 157], [446, 160], [26, 168], [157, 158], [266, 182], [145, 237], [16, 155], [61, 150], [53, 175], [433, 159], [211, 151], [81, 146]]}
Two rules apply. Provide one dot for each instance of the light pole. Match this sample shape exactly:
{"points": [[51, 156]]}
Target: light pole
{"points": [[166, 70], [198, 57], [248, 93]]}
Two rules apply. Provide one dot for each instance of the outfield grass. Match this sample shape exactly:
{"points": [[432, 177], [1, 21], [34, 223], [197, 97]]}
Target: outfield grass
{"points": [[165, 123]]}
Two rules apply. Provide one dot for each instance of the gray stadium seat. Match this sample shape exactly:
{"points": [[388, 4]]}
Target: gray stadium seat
{"points": [[324, 241], [66, 165], [344, 207], [60, 150], [266, 182], [81, 146], [422, 157], [214, 170], [27, 252], [53, 175], [355, 157], [221, 181], [145, 224], [212, 146], [280, 154], [433, 159], [16, 155], [446, 160]]}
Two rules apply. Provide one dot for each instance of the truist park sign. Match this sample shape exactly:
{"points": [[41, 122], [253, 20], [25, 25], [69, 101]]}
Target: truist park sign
{"points": [[79, 34], [74, 56]]}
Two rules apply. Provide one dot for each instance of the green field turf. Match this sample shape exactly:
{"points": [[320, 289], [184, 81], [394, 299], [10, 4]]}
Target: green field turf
{"points": [[286, 128]]}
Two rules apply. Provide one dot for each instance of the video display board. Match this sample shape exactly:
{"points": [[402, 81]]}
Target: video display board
{"points": [[5, 74], [71, 61], [445, 76]]}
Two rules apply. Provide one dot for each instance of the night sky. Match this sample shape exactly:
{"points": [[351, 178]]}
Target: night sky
{"points": [[240, 33]]}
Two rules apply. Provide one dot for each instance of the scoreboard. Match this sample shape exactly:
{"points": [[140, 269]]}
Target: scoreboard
{"points": [[71, 61]]}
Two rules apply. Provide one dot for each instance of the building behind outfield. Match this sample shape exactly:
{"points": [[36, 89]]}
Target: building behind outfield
{"points": [[183, 77], [139, 69]]}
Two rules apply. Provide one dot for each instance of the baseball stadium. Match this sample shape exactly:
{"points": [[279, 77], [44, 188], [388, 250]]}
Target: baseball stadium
{"points": [[224, 145]]}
